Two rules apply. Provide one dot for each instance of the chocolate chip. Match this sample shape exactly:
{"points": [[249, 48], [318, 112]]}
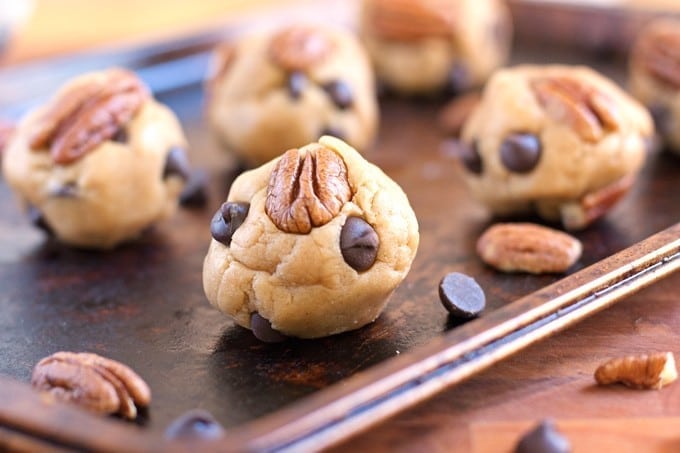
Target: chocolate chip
{"points": [[520, 152], [359, 243], [176, 163], [459, 79], [543, 439], [194, 424], [296, 84], [68, 190], [37, 219], [466, 153], [340, 93], [263, 330], [461, 295], [227, 219], [195, 191], [120, 136], [333, 132], [662, 119]]}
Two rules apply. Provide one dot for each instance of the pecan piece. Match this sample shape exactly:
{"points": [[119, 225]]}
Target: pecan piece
{"points": [[527, 247], [651, 371], [94, 382], [307, 190], [86, 115], [300, 47], [657, 51], [582, 107], [579, 214], [410, 20]]}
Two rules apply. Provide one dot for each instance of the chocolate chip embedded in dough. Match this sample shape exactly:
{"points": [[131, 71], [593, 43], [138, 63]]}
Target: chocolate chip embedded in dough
{"points": [[37, 219], [297, 81], [520, 152], [121, 136], [467, 153], [461, 295], [340, 93], [227, 219], [194, 424], [195, 192], [176, 163], [359, 244], [263, 330], [67, 190], [459, 79], [543, 439]]}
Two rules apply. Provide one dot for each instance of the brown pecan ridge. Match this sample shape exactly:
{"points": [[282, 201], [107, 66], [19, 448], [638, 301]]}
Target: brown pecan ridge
{"points": [[527, 247], [307, 191], [579, 214], [584, 108], [300, 47], [410, 20], [94, 382], [657, 51], [86, 115]]}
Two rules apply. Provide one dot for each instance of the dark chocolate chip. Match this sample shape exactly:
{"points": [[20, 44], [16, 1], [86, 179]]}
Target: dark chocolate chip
{"points": [[176, 163], [333, 132], [459, 79], [461, 295], [263, 330], [520, 152], [227, 219], [297, 81], [467, 153], [662, 119], [120, 136], [68, 190], [359, 243], [194, 424], [543, 439], [195, 191], [37, 219], [340, 93]]}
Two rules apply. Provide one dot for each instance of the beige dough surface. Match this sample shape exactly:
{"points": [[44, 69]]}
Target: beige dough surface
{"points": [[252, 112], [479, 41], [120, 189], [300, 282], [569, 167]]}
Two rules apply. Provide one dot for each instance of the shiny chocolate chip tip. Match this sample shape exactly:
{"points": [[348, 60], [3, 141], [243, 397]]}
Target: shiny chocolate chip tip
{"points": [[228, 218]]}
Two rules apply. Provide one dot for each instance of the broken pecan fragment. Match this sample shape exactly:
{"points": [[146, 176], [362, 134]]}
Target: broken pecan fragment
{"points": [[307, 190], [579, 214], [658, 52], [94, 382], [651, 371], [84, 116], [299, 47], [410, 20], [582, 107]]}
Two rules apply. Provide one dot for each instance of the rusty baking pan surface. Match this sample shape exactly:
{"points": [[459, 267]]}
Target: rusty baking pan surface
{"points": [[143, 303]]}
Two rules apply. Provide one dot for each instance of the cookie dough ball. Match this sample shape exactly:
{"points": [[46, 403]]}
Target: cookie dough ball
{"points": [[655, 77], [271, 92], [100, 162], [420, 46], [311, 244], [563, 141]]}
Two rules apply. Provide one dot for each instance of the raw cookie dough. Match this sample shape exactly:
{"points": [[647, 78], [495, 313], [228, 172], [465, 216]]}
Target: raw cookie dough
{"points": [[420, 46], [271, 92], [313, 242], [655, 77], [100, 162], [563, 141]]}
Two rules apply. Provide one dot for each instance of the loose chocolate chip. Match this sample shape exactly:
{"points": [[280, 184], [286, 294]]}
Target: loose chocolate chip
{"points": [[120, 136], [459, 79], [467, 153], [194, 424], [296, 84], [333, 132], [195, 191], [37, 219], [543, 439], [359, 243], [68, 190], [520, 152], [176, 163], [461, 295], [340, 93], [263, 330], [227, 219]]}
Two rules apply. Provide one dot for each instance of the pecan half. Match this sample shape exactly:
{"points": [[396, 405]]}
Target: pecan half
{"points": [[644, 371], [657, 51], [592, 206], [299, 47], [94, 382], [84, 116], [526, 247], [410, 20], [580, 106], [307, 191]]}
